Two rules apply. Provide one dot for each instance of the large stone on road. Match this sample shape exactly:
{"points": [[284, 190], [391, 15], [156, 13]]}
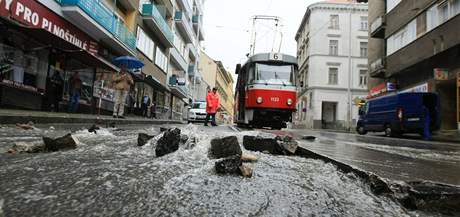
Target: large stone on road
{"points": [[224, 147], [143, 138], [26, 147], [62, 143], [168, 143], [229, 165], [288, 144], [248, 158], [273, 145], [245, 171]]}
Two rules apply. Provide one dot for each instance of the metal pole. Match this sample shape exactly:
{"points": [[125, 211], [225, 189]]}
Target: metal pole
{"points": [[350, 68]]}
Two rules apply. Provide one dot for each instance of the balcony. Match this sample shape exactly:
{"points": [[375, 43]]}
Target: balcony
{"points": [[180, 91], [153, 18], [178, 59], [185, 4], [193, 51], [198, 25], [378, 28], [100, 23], [184, 26], [377, 68], [191, 70]]}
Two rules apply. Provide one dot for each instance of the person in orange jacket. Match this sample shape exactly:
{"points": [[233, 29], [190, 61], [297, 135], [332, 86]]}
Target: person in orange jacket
{"points": [[212, 105]]}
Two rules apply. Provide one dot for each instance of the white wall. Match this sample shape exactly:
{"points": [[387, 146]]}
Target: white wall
{"points": [[320, 61]]}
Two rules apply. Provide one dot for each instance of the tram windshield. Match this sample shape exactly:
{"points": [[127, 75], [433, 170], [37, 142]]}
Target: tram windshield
{"points": [[274, 74]]}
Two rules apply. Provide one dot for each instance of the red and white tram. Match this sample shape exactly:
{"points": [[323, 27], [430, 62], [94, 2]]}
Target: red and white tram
{"points": [[265, 94]]}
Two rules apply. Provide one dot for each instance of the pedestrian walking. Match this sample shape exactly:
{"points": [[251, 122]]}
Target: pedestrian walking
{"points": [[212, 105], [123, 82], [75, 91], [145, 105], [55, 91]]}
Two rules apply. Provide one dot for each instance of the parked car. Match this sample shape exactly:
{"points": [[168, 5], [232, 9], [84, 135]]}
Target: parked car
{"points": [[399, 113], [197, 112]]}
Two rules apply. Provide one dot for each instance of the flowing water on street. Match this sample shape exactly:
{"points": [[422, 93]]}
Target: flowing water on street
{"points": [[109, 175]]}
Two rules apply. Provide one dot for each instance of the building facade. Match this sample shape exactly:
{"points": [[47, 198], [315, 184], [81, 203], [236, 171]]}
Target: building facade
{"points": [[68, 36], [332, 55], [215, 75], [415, 45]]}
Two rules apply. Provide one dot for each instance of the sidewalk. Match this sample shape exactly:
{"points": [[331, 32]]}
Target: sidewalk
{"points": [[10, 116], [451, 136]]}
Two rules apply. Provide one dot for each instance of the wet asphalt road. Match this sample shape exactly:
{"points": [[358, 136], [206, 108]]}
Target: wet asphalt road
{"points": [[391, 158], [108, 175]]}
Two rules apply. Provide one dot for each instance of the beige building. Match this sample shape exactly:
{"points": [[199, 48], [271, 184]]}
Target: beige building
{"points": [[215, 75]]}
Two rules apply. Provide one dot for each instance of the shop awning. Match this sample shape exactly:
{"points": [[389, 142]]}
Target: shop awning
{"points": [[155, 83], [52, 41], [71, 50]]}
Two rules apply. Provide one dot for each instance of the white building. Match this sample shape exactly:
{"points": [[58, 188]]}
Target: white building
{"points": [[332, 54]]}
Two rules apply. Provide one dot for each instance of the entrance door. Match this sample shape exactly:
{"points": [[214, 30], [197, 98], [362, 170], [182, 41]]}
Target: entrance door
{"points": [[447, 95], [329, 115]]}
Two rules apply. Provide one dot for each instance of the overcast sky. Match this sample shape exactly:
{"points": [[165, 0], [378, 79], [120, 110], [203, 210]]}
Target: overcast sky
{"points": [[227, 27]]}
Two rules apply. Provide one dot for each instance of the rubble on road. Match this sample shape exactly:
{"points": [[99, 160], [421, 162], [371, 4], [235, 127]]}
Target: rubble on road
{"points": [[26, 147], [248, 158], [309, 138], [163, 129], [28, 126], [168, 143], [62, 143], [224, 147], [245, 171], [274, 145], [143, 138], [93, 129], [229, 165]]}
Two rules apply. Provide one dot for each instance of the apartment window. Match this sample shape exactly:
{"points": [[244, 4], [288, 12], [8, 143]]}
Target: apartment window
{"points": [[364, 23], [402, 38], [392, 4], [421, 24], [144, 43], [455, 7], [334, 47], [443, 12], [333, 75], [179, 44], [363, 78], [161, 60], [334, 22], [363, 49]]}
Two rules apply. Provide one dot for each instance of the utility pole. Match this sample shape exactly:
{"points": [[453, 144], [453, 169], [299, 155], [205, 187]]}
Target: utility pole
{"points": [[350, 68]]}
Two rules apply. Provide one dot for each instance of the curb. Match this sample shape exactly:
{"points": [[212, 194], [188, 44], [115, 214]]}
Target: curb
{"points": [[80, 120]]}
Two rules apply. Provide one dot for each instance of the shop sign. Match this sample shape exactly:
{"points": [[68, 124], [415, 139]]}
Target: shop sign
{"points": [[441, 74], [19, 85], [422, 88], [382, 88], [34, 15]]}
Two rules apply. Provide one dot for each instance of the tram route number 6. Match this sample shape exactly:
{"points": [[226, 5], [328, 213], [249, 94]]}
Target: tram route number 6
{"points": [[276, 56]]}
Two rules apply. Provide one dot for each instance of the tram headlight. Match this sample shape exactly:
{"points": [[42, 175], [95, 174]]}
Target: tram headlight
{"points": [[259, 100], [289, 101]]}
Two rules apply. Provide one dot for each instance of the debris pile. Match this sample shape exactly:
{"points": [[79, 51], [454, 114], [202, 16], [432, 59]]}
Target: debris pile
{"points": [[229, 149], [273, 145]]}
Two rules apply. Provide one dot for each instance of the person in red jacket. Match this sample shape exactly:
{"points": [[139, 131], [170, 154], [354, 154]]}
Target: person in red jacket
{"points": [[212, 105]]}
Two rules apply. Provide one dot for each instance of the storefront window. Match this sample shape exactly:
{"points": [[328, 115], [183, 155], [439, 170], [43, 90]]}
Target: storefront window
{"points": [[103, 86], [23, 69], [86, 75]]}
